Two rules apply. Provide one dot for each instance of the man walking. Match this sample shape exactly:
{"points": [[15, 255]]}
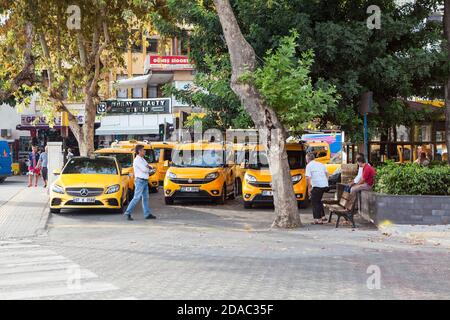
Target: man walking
{"points": [[317, 180], [141, 173]]}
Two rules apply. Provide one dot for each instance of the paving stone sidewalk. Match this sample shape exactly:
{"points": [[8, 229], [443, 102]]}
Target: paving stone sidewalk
{"points": [[24, 212]]}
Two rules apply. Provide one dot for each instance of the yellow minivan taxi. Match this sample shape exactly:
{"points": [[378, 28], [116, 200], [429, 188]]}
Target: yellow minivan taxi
{"points": [[322, 152], [94, 183], [163, 157], [256, 186], [200, 171], [129, 146]]}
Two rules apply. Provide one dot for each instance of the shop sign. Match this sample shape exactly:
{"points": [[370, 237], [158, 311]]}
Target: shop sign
{"points": [[147, 106], [40, 121], [171, 60]]}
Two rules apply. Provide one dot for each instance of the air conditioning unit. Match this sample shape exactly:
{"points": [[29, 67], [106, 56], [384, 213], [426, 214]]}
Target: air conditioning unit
{"points": [[6, 133]]}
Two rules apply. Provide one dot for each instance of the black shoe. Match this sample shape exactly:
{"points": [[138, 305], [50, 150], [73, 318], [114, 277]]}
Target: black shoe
{"points": [[128, 217], [151, 217]]}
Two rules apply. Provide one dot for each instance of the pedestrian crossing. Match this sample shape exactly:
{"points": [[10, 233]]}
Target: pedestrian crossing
{"points": [[29, 271]]}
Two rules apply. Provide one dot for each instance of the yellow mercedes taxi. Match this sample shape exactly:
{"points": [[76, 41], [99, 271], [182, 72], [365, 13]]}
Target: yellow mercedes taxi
{"points": [[256, 185], [129, 146], [89, 182], [200, 170], [163, 158]]}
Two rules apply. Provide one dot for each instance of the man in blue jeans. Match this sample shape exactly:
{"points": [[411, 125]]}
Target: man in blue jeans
{"points": [[141, 173]]}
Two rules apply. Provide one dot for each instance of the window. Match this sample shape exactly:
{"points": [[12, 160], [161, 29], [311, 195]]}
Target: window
{"points": [[122, 93], [157, 153], [149, 156], [136, 46], [152, 45], [125, 159], [91, 166], [137, 92], [152, 91], [168, 155]]}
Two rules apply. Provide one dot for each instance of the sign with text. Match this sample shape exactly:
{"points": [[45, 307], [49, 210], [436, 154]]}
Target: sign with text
{"points": [[169, 60], [148, 106], [40, 121]]}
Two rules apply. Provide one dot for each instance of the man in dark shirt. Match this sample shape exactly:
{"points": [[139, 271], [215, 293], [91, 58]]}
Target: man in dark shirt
{"points": [[368, 176]]}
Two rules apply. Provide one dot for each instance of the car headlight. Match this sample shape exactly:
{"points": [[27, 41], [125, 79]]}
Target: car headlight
{"points": [[296, 178], [151, 172], [250, 178], [171, 175], [212, 176], [57, 189], [113, 189]]}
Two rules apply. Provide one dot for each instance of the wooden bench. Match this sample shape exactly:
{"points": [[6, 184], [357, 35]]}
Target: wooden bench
{"points": [[344, 207]]}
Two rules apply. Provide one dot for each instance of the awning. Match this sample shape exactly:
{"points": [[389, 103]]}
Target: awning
{"points": [[136, 82], [143, 81], [124, 131]]}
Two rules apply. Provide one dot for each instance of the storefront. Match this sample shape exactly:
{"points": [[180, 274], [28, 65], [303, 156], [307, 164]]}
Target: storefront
{"points": [[137, 119]]}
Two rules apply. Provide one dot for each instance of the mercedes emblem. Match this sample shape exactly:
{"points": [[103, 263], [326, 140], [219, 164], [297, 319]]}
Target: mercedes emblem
{"points": [[84, 192]]}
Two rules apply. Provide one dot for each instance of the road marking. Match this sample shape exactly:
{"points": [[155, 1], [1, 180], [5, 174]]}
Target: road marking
{"points": [[27, 272], [56, 291], [36, 276]]}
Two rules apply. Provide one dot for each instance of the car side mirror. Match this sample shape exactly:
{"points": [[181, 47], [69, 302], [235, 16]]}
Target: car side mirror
{"points": [[56, 172], [123, 173], [166, 164]]}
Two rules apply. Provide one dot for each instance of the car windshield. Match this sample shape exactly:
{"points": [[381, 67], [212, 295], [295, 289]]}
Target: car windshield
{"points": [[198, 158], [125, 159], [90, 166], [258, 160]]}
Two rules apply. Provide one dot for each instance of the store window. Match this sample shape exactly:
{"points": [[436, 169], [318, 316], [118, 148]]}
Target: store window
{"points": [[122, 93]]}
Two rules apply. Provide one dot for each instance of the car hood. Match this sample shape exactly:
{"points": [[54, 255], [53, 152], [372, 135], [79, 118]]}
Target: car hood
{"points": [[264, 175], [88, 180], [193, 173]]}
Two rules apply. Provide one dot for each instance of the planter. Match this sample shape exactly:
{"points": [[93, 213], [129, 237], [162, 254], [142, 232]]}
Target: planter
{"points": [[405, 209]]}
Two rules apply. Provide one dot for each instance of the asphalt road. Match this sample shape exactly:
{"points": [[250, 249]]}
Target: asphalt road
{"points": [[207, 251]]}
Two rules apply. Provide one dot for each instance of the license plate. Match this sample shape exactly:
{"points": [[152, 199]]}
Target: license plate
{"points": [[190, 189], [84, 200], [267, 193]]}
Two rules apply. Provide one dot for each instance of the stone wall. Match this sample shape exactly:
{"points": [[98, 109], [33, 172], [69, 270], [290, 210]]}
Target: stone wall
{"points": [[405, 209]]}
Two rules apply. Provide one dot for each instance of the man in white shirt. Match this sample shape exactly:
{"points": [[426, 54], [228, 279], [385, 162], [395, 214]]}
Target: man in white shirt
{"points": [[141, 173], [317, 180]]}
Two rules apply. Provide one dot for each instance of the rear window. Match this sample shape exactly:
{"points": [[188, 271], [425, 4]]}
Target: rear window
{"points": [[91, 166]]}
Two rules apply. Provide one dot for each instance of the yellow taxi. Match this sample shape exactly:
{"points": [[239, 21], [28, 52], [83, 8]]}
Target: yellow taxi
{"points": [[322, 153], [163, 158], [256, 185], [90, 182], [241, 156], [200, 171], [129, 146]]}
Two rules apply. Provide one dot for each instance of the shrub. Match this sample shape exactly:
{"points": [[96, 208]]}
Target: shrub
{"points": [[413, 179]]}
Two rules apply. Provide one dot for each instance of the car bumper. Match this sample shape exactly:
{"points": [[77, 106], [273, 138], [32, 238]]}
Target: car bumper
{"points": [[104, 201], [255, 194], [211, 190]]}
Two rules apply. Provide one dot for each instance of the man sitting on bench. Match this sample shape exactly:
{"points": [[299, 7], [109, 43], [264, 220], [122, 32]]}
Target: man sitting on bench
{"points": [[368, 176]]}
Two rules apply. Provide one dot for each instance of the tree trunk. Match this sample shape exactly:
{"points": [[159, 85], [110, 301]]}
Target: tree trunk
{"points": [[447, 86], [273, 135]]}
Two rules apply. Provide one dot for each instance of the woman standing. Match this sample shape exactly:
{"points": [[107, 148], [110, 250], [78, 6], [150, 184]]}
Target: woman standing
{"points": [[33, 168]]}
